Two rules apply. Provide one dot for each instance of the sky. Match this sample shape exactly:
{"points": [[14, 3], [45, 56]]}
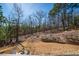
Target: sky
{"points": [[28, 8]]}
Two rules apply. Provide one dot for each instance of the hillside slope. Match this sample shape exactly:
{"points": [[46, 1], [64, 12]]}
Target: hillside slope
{"points": [[36, 46]]}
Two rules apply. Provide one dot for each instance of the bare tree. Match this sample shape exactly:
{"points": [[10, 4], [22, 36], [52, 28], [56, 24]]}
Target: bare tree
{"points": [[39, 15], [17, 14]]}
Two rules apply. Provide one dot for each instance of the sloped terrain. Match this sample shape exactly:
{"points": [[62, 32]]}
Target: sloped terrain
{"points": [[51, 43], [71, 37], [43, 48]]}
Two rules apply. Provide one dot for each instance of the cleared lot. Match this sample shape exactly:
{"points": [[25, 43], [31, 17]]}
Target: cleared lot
{"points": [[37, 47]]}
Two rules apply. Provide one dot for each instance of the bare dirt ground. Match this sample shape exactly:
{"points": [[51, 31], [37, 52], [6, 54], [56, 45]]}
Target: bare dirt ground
{"points": [[42, 48], [37, 47]]}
